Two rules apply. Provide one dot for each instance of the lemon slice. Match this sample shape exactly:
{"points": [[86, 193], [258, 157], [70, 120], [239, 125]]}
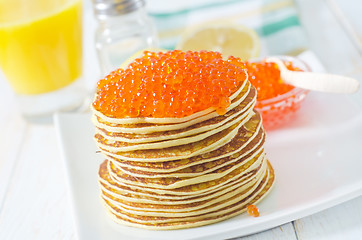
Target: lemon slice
{"points": [[139, 54], [230, 40]]}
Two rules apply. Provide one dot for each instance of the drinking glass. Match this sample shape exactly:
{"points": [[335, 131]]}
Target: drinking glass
{"points": [[41, 55]]}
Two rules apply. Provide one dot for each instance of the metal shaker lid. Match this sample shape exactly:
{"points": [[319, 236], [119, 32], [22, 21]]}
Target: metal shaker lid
{"points": [[106, 8]]}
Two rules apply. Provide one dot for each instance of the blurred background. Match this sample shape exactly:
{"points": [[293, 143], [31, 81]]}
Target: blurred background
{"points": [[284, 26]]}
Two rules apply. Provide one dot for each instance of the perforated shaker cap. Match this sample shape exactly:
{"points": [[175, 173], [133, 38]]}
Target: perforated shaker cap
{"points": [[107, 8]]}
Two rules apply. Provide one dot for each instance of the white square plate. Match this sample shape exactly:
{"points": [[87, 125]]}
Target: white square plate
{"points": [[317, 161]]}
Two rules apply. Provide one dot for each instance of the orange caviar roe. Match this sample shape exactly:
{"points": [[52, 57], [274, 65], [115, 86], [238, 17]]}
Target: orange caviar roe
{"points": [[266, 79], [170, 84], [253, 210], [265, 76]]}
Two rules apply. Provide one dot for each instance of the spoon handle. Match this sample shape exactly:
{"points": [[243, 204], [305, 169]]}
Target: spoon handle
{"points": [[322, 82]]}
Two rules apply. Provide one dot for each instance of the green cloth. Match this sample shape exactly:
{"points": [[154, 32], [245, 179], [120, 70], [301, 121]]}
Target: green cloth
{"points": [[276, 21]]}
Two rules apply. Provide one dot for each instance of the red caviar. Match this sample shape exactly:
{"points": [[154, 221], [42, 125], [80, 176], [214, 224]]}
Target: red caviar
{"points": [[170, 84], [265, 76], [276, 101], [253, 210]]}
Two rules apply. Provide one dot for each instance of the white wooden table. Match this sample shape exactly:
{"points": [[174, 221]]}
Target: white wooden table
{"points": [[34, 201]]}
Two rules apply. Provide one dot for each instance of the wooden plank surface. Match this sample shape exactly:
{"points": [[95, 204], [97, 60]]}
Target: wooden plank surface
{"points": [[12, 129], [284, 232], [341, 222], [328, 39], [36, 205], [348, 13]]}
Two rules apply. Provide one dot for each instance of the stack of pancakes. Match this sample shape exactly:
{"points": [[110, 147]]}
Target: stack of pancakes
{"points": [[172, 173]]}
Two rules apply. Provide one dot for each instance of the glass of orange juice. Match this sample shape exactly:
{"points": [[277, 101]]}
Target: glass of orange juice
{"points": [[41, 54]]}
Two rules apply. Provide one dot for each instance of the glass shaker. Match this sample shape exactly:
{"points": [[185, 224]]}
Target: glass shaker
{"points": [[124, 28]]}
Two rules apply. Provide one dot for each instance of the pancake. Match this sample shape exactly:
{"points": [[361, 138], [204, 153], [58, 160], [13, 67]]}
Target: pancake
{"points": [[177, 205], [241, 174], [178, 182], [127, 146], [249, 136], [194, 168], [181, 172], [159, 223], [172, 153], [137, 194], [195, 208], [128, 195]]}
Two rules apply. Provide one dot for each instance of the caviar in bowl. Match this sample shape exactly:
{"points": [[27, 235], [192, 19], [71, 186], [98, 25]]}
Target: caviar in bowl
{"points": [[277, 102]]}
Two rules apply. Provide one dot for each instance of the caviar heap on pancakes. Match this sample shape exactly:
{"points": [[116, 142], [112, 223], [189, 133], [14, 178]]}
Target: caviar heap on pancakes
{"points": [[170, 84], [182, 143]]}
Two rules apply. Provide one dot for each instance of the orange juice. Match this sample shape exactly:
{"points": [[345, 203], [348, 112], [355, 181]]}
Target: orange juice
{"points": [[40, 44]]}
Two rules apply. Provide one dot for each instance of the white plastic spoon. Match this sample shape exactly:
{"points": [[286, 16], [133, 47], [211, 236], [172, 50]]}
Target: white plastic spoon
{"points": [[322, 82]]}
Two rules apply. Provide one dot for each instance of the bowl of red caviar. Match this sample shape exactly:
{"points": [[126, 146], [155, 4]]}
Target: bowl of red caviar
{"points": [[277, 101]]}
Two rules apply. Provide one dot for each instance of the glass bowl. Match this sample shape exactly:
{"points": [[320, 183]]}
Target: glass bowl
{"points": [[281, 110]]}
